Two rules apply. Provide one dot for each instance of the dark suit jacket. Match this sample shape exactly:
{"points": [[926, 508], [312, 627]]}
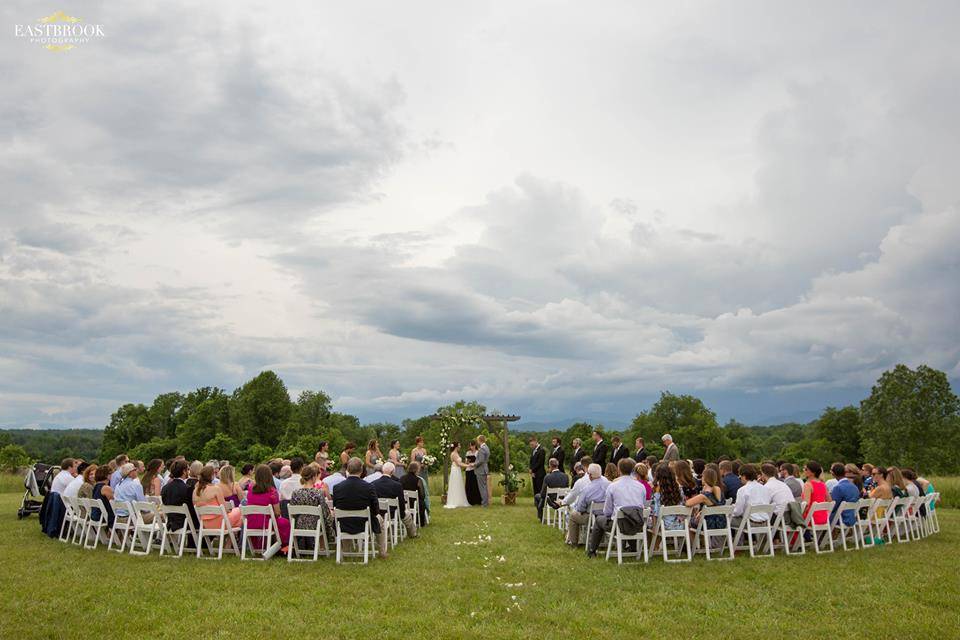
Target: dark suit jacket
{"points": [[411, 482], [619, 454], [176, 493], [731, 484], [600, 453], [355, 494], [641, 455], [577, 454], [537, 459], [554, 480], [387, 487], [559, 455]]}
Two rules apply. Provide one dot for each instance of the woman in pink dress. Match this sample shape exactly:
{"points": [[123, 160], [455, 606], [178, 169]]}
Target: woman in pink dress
{"points": [[814, 491], [263, 493]]}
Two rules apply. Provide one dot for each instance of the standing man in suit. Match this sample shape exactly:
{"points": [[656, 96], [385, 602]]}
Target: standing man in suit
{"points": [[578, 454], [482, 470], [538, 458], [619, 451], [176, 493], [641, 453], [558, 453], [672, 451], [556, 479], [353, 494], [599, 450]]}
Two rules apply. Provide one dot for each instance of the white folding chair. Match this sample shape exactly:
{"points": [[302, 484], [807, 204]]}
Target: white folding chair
{"points": [[364, 538], [703, 536], [390, 508], [680, 537], [823, 531], [844, 529], [316, 534], [95, 524], [882, 513], [269, 535], [178, 536], [866, 514], [413, 502], [596, 509], [791, 536], [550, 514], [222, 533], [122, 524], [70, 509], [914, 524], [897, 520], [933, 522], [81, 520], [619, 538], [752, 528], [146, 525]]}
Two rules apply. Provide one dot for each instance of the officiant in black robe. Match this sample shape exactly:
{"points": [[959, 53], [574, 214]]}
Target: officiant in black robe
{"points": [[473, 488]]}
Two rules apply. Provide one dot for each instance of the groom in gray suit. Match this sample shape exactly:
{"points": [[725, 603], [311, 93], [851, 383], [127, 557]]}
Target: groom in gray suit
{"points": [[481, 470]]}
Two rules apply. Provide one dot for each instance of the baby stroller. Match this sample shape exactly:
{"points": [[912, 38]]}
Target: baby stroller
{"points": [[37, 482]]}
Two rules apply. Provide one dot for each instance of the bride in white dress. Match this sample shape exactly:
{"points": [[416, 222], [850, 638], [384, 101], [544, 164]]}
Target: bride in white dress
{"points": [[456, 487]]}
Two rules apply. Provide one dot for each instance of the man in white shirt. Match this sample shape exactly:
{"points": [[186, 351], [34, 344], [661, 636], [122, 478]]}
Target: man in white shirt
{"points": [[780, 494], [377, 473], [333, 480], [291, 484], [73, 489], [751, 493], [68, 471], [577, 488]]}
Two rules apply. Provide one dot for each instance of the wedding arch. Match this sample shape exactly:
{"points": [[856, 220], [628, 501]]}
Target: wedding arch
{"points": [[454, 423]]}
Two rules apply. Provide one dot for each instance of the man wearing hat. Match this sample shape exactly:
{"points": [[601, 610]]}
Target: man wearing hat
{"points": [[130, 490], [672, 452]]}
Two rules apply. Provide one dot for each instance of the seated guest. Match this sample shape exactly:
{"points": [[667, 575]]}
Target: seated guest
{"points": [[779, 493], [881, 488], [582, 481], [623, 493], [555, 479], [832, 482], [228, 487], [852, 472], [353, 494], [593, 489], [88, 474], [750, 493], [246, 478], [276, 466], [898, 485], [667, 492], [684, 475], [388, 486], [103, 493], [118, 462], [292, 482], [68, 471], [710, 496], [642, 471], [788, 473], [151, 478], [130, 490], [176, 493], [411, 481], [376, 474], [309, 496], [610, 472], [195, 468], [73, 489], [843, 491], [699, 464], [814, 491], [333, 480], [263, 493], [731, 482], [207, 494], [866, 473], [914, 490]]}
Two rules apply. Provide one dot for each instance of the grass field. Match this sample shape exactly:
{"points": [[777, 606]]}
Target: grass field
{"points": [[433, 587]]}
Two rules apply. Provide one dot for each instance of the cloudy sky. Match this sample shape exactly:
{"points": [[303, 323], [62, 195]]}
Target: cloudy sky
{"points": [[559, 209]]}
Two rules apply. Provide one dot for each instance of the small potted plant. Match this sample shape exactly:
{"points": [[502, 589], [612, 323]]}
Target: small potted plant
{"points": [[511, 484]]}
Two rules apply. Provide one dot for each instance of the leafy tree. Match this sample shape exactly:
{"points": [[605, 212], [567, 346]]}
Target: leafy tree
{"points": [[260, 410], [163, 448], [13, 457], [911, 419], [221, 447], [257, 453], [582, 430], [693, 426], [743, 443], [210, 418], [129, 426], [841, 429], [192, 400], [163, 414]]}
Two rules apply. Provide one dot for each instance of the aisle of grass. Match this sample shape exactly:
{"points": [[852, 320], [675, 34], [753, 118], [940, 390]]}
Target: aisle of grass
{"points": [[522, 582]]}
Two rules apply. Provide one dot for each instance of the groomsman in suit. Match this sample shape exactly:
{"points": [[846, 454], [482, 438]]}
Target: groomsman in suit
{"points": [[672, 452], [538, 458], [578, 454], [641, 453], [558, 453], [599, 450], [619, 451]]}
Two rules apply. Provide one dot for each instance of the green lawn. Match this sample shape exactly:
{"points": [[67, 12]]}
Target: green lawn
{"points": [[435, 588]]}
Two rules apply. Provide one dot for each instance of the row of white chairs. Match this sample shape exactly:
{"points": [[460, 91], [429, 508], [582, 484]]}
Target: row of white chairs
{"points": [[138, 527], [763, 528]]}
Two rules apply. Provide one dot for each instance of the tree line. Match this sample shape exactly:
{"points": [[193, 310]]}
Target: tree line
{"points": [[911, 418]]}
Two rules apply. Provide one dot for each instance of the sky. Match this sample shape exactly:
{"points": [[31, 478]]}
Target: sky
{"points": [[559, 209]]}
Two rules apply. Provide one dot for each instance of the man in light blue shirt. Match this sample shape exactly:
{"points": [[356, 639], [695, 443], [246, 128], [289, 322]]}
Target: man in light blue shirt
{"points": [[115, 477], [129, 489], [593, 489], [625, 491], [843, 491]]}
